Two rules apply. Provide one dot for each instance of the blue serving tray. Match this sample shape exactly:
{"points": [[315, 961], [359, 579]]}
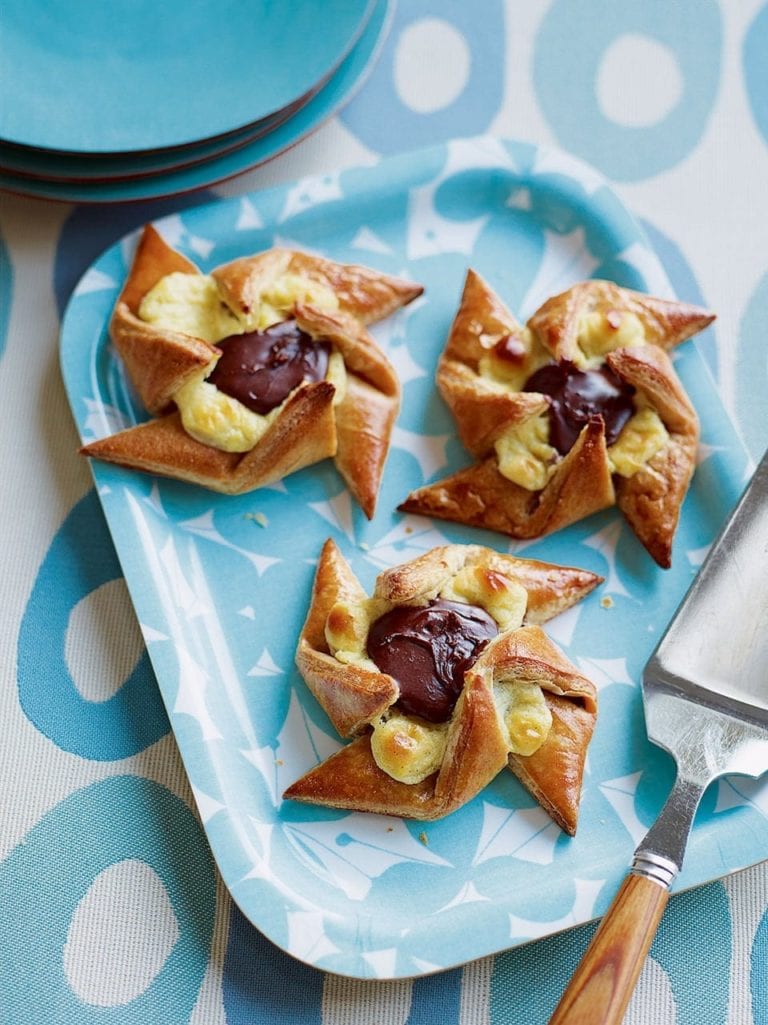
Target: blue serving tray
{"points": [[221, 584]]}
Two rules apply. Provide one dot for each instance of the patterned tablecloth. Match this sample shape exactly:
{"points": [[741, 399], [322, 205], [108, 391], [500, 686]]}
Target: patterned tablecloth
{"points": [[111, 910]]}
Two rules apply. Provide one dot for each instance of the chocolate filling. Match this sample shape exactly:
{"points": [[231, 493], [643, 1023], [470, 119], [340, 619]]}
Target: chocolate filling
{"points": [[261, 368], [427, 649], [578, 396]]}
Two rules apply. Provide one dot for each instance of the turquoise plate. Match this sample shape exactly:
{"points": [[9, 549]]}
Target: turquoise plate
{"points": [[73, 168], [221, 584], [131, 75], [328, 100]]}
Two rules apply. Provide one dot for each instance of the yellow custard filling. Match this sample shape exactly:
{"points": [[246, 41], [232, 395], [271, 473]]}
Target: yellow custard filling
{"points": [[501, 598], [281, 295], [410, 749], [215, 418], [523, 451], [406, 747], [526, 458], [510, 374], [346, 630], [192, 304], [523, 709], [601, 333], [641, 438], [524, 454]]}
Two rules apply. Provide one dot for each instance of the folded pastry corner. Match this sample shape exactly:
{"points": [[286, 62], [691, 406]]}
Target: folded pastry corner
{"points": [[575, 411], [442, 678], [363, 293], [255, 370], [365, 413], [158, 359], [304, 434], [572, 703]]}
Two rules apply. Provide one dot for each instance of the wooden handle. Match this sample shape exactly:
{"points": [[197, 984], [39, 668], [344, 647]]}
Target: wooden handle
{"points": [[603, 983]]}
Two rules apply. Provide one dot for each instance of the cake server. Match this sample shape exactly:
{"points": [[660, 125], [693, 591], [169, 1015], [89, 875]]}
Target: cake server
{"points": [[705, 693]]}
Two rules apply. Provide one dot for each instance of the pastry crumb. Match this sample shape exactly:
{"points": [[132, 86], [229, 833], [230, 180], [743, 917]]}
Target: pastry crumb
{"points": [[279, 761], [607, 602], [258, 517], [424, 839], [408, 530]]}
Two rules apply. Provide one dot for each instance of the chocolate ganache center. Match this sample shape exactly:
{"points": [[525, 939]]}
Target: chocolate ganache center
{"points": [[261, 368], [427, 649], [578, 396]]}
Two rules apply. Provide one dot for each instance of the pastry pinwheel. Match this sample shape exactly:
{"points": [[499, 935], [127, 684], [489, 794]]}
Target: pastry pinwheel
{"points": [[444, 677], [255, 370], [573, 412]]}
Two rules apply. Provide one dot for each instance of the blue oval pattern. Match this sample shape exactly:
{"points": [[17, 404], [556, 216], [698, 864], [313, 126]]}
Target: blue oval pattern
{"points": [[40, 892], [470, 113], [253, 985], [759, 974], [756, 70], [80, 559], [567, 61], [692, 947]]}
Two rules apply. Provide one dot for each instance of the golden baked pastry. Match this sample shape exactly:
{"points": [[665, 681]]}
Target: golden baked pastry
{"points": [[575, 411], [260, 368], [443, 677]]}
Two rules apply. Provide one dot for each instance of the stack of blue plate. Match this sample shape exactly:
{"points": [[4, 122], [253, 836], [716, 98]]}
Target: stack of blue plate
{"points": [[134, 99]]}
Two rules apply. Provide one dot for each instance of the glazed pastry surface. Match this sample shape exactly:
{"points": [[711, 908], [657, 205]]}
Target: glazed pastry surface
{"points": [[576, 410], [442, 677], [308, 380]]}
